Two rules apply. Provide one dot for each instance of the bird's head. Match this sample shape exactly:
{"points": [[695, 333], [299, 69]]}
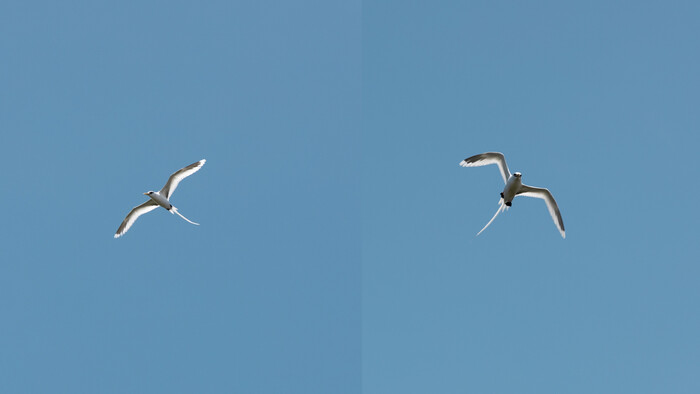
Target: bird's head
{"points": [[148, 193], [518, 175]]}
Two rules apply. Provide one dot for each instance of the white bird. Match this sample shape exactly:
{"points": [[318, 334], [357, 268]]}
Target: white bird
{"points": [[514, 187], [161, 198]]}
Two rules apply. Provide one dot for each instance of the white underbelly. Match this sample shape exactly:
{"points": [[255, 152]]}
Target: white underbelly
{"points": [[512, 187], [162, 201]]}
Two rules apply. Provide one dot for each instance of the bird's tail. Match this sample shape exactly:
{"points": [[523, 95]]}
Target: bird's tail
{"points": [[501, 208], [174, 210]]}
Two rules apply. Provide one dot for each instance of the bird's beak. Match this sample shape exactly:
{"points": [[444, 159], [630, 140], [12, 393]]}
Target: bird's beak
{"points": [[145, 194]]}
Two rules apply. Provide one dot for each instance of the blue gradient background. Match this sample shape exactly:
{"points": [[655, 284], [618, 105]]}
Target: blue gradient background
{"points": [[102, 101], [597, 101], [337, 251]]}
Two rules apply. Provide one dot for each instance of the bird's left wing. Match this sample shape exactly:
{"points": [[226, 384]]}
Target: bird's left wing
{"points": [[536, 192], [179, 175], [146, 207]]}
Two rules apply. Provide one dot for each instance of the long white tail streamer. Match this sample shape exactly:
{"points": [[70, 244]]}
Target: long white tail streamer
{"points": [[500, 209], [180, 215]]}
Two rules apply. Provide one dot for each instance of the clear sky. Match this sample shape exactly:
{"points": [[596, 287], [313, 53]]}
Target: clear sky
{"points": [[597, 101], [102, 101], [337, 249]]}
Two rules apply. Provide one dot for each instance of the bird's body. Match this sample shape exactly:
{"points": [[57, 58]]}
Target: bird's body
{"points": [[514, 187], [160, 198], [511, 189]]}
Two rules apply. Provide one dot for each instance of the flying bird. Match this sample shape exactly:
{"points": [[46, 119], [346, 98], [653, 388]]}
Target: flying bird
{"points": [[160, 198], [514, 187]]}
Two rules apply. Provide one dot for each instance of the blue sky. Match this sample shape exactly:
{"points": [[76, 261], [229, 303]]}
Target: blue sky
{"points": [[336, 252], [102, 102], [596, 101]]}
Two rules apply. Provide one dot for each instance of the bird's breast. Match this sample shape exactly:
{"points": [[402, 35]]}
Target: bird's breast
{"points": [[511, 188], [160, 200]]}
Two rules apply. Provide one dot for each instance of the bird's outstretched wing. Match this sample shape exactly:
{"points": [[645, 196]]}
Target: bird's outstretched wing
{"points": [[146, 207], [536, 192], [488, 158], [179, 175]]}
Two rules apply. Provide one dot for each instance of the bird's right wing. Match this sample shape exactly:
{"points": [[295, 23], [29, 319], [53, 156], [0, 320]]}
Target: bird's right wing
{"points": [[146, 207], [488, 158], [179, 175]]}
